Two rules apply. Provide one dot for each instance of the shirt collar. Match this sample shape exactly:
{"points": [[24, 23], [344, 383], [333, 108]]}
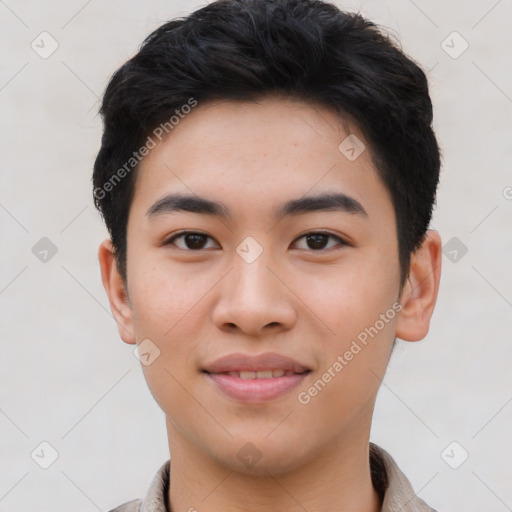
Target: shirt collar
{"points": [[398, 494]]}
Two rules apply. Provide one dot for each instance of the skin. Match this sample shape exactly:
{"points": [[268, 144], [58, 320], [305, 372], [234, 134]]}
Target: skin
{"points": [[199, 305]]}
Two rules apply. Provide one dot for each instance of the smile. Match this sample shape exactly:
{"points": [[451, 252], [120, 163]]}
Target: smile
{"points": [[252, 379], [264, 374]]}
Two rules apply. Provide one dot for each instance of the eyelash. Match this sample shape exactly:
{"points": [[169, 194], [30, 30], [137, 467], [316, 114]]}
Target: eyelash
{"points": [[341, 242]]}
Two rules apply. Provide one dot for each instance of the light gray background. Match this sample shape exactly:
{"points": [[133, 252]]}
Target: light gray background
{"points": [[68, 379]]}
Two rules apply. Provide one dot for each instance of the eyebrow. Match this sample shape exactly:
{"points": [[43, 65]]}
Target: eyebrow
{"points": [[323, 202]]}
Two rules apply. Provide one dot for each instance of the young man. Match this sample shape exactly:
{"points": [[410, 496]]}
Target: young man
{"points": [[267, 175]]}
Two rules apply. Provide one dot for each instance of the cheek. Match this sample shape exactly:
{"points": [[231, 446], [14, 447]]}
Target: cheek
{"points": [[165, 310], [350, 298], [353, 364], [170, 307], [173, 319], [359, 306], [164, 297]]}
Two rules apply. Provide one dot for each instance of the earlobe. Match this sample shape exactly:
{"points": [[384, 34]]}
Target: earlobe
{"points": [[116, 291], [420, 291]]}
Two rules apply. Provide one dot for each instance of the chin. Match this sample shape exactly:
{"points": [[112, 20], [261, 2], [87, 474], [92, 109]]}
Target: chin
{"points": [[259, 455]]}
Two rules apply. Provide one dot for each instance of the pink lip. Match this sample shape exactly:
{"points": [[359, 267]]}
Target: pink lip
{"points": [[241, 362], [255, 390]]}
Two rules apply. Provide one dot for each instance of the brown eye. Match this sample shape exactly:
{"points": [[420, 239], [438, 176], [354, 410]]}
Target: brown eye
{"points": [[318, 241], [191, 241], [195, 241]]}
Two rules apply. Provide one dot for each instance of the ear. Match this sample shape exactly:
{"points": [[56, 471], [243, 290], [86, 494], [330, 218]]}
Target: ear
{"points": [[419, 294], [116, 291]]}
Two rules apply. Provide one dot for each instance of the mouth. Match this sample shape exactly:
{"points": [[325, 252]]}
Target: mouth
{"points": [[262, 374], [255, 379]]}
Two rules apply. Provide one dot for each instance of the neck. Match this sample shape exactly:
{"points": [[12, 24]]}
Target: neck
{"points": [[338, 479]]}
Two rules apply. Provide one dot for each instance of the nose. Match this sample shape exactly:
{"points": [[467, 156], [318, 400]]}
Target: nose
{"points": [[253, 299]]}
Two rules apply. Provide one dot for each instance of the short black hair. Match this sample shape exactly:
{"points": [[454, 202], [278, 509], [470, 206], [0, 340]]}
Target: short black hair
{"points": [[245, 50]]}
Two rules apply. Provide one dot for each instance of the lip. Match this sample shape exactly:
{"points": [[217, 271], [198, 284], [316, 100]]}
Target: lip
{"points": [[242, 362], [255, 390]]}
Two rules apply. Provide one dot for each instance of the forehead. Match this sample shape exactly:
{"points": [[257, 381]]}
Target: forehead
{"points": [[258, 153]]}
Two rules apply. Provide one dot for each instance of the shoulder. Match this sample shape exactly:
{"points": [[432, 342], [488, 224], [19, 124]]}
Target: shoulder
{"points": [[393, 486], [155, 497], [130, 506]]}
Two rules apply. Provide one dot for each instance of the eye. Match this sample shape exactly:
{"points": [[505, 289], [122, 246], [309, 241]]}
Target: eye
{"points": [[319, 240], [196, 241], [190, 240]]}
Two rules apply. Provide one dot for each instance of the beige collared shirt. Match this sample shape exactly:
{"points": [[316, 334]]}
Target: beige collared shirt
{"points": [[396, 491]]}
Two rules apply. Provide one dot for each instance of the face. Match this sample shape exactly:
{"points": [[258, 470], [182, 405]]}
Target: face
{"points": [[250, 273]]}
